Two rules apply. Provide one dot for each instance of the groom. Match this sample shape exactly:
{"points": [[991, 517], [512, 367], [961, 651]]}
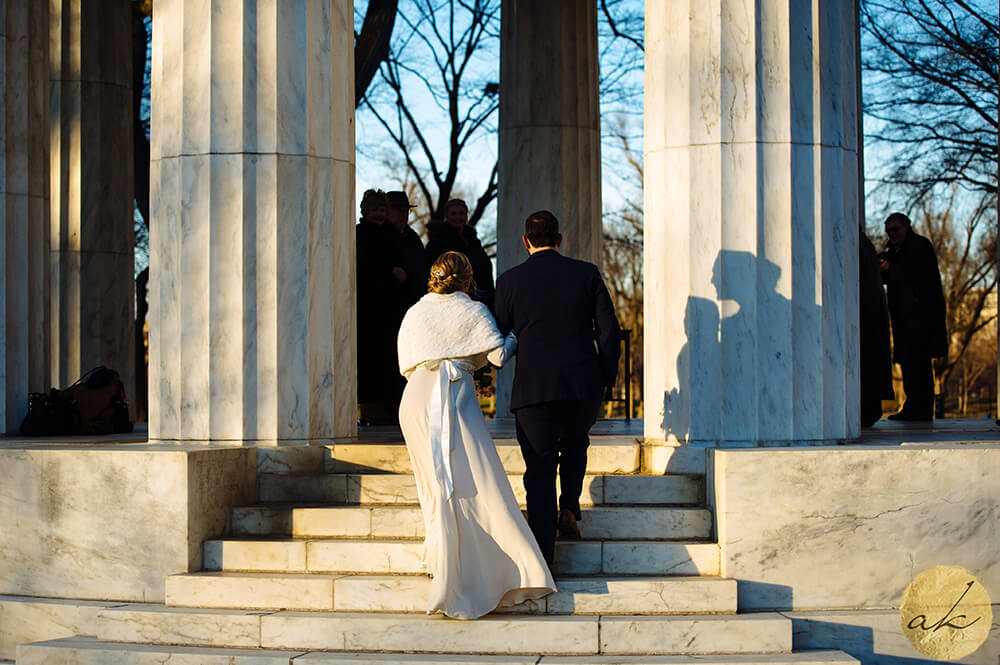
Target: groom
{"points": [[557, 307]]}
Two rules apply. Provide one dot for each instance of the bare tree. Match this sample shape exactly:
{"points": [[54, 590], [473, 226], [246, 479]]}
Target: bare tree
{"points": [[966, 251], [931, 93], [621, 26], [622, 253], [371, 44], [971, 382], [620, 35], [931, 88], [443, 56]]}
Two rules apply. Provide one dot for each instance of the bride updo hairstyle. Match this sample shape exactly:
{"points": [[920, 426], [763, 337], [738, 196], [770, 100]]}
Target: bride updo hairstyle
{"points": [[451, 272]]}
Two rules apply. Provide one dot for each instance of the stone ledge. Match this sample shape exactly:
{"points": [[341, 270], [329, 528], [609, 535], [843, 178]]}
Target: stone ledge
{"points": [[87, 651], [110, 522], [29, 619], [408, 594], [400, 489], [848, 527], [603, 456], [84, 651], [599, 522], [382, 556]]}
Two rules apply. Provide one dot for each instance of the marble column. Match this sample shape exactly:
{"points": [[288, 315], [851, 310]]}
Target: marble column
{"points": [[24, 213], [252, 240], [92, 189], [550, 134], [751, 217]]}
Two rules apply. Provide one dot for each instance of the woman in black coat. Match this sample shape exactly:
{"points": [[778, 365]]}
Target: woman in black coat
{"points": [[453, 234]]}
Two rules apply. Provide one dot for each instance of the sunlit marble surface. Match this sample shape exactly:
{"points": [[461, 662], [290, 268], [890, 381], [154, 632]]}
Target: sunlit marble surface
{"points": [[751, 206], [851, 526], [252, 245], [111, 522]]}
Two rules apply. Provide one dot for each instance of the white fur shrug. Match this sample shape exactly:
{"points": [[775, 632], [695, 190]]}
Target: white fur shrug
{"points": [[451, 326]]}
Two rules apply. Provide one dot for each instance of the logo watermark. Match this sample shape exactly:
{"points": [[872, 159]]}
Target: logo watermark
{"points": [[946, 613]]}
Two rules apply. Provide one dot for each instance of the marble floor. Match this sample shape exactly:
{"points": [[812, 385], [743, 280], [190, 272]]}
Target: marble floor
{"points": [[885, 432]]}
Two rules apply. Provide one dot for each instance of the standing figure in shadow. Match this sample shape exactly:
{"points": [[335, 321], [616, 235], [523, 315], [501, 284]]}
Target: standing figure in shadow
{"points": [[379, 279], [410, 251], [873, 319], [697, 363], [916, 307], [455, 234]]}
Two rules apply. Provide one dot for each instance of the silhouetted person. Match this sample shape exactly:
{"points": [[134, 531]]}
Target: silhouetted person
{"points": [[916, 307], [454, 234], [409, 247], [876, 351], [379, 276], [410, 251]]}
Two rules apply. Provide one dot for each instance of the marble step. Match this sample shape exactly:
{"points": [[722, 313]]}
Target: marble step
{"points": [[583, 557], [88, 651], [408, 593], [400, 489], [598, 523], [497, 634], [614, 456]]}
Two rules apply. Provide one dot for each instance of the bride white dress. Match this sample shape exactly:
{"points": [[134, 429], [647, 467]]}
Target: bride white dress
{"points": [[477, 544]]}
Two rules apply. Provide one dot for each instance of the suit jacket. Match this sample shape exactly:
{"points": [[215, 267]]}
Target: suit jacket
{"points": [[558, 307]]}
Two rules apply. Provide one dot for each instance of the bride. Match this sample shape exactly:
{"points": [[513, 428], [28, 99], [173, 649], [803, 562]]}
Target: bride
{"points": [[477, 544]]}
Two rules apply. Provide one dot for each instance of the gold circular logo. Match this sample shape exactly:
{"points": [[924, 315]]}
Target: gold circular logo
{"points": [[946, 613]]}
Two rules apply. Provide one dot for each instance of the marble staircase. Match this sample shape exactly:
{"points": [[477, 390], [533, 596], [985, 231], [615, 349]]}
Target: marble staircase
{"points": [[326, 567]]}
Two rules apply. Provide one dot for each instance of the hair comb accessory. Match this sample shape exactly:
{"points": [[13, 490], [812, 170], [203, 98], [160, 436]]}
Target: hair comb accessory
{"points": [[438, 272]]}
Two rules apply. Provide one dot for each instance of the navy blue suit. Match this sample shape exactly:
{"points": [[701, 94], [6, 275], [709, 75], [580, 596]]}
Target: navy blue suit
{"points": [[567, 355]]}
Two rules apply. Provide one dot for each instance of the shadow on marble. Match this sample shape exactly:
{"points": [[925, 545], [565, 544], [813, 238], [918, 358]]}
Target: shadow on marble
{"points": [[16, 440], [874, 638], [777, 595], [940, 431]]}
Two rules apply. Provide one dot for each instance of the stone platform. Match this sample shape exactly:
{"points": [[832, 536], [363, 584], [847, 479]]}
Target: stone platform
{"points": [[121, 551]]}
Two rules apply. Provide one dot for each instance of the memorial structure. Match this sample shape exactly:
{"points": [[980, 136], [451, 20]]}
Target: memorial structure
{"points": [[254, 525]]}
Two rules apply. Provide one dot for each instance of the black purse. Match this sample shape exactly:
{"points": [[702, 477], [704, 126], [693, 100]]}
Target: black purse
{"points": [[51, 413]]}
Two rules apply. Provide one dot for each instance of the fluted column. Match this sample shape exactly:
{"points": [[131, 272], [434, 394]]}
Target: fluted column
{"points": [[24, 213], [252, 239], [550, 134], [751, 218], [92, 189]]}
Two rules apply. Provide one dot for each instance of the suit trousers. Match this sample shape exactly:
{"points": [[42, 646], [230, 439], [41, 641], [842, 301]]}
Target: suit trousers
{"points": [[918, 384], [554, 436]]}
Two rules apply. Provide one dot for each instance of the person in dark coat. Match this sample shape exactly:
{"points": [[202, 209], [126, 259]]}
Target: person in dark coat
{"points": [[558, 307], [410, 251], [454, 234], [379, 276], [876, 350], [916, 306]]}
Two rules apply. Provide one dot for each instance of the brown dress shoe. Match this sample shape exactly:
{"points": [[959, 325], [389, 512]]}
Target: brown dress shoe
{"points": [[567, 525]]}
